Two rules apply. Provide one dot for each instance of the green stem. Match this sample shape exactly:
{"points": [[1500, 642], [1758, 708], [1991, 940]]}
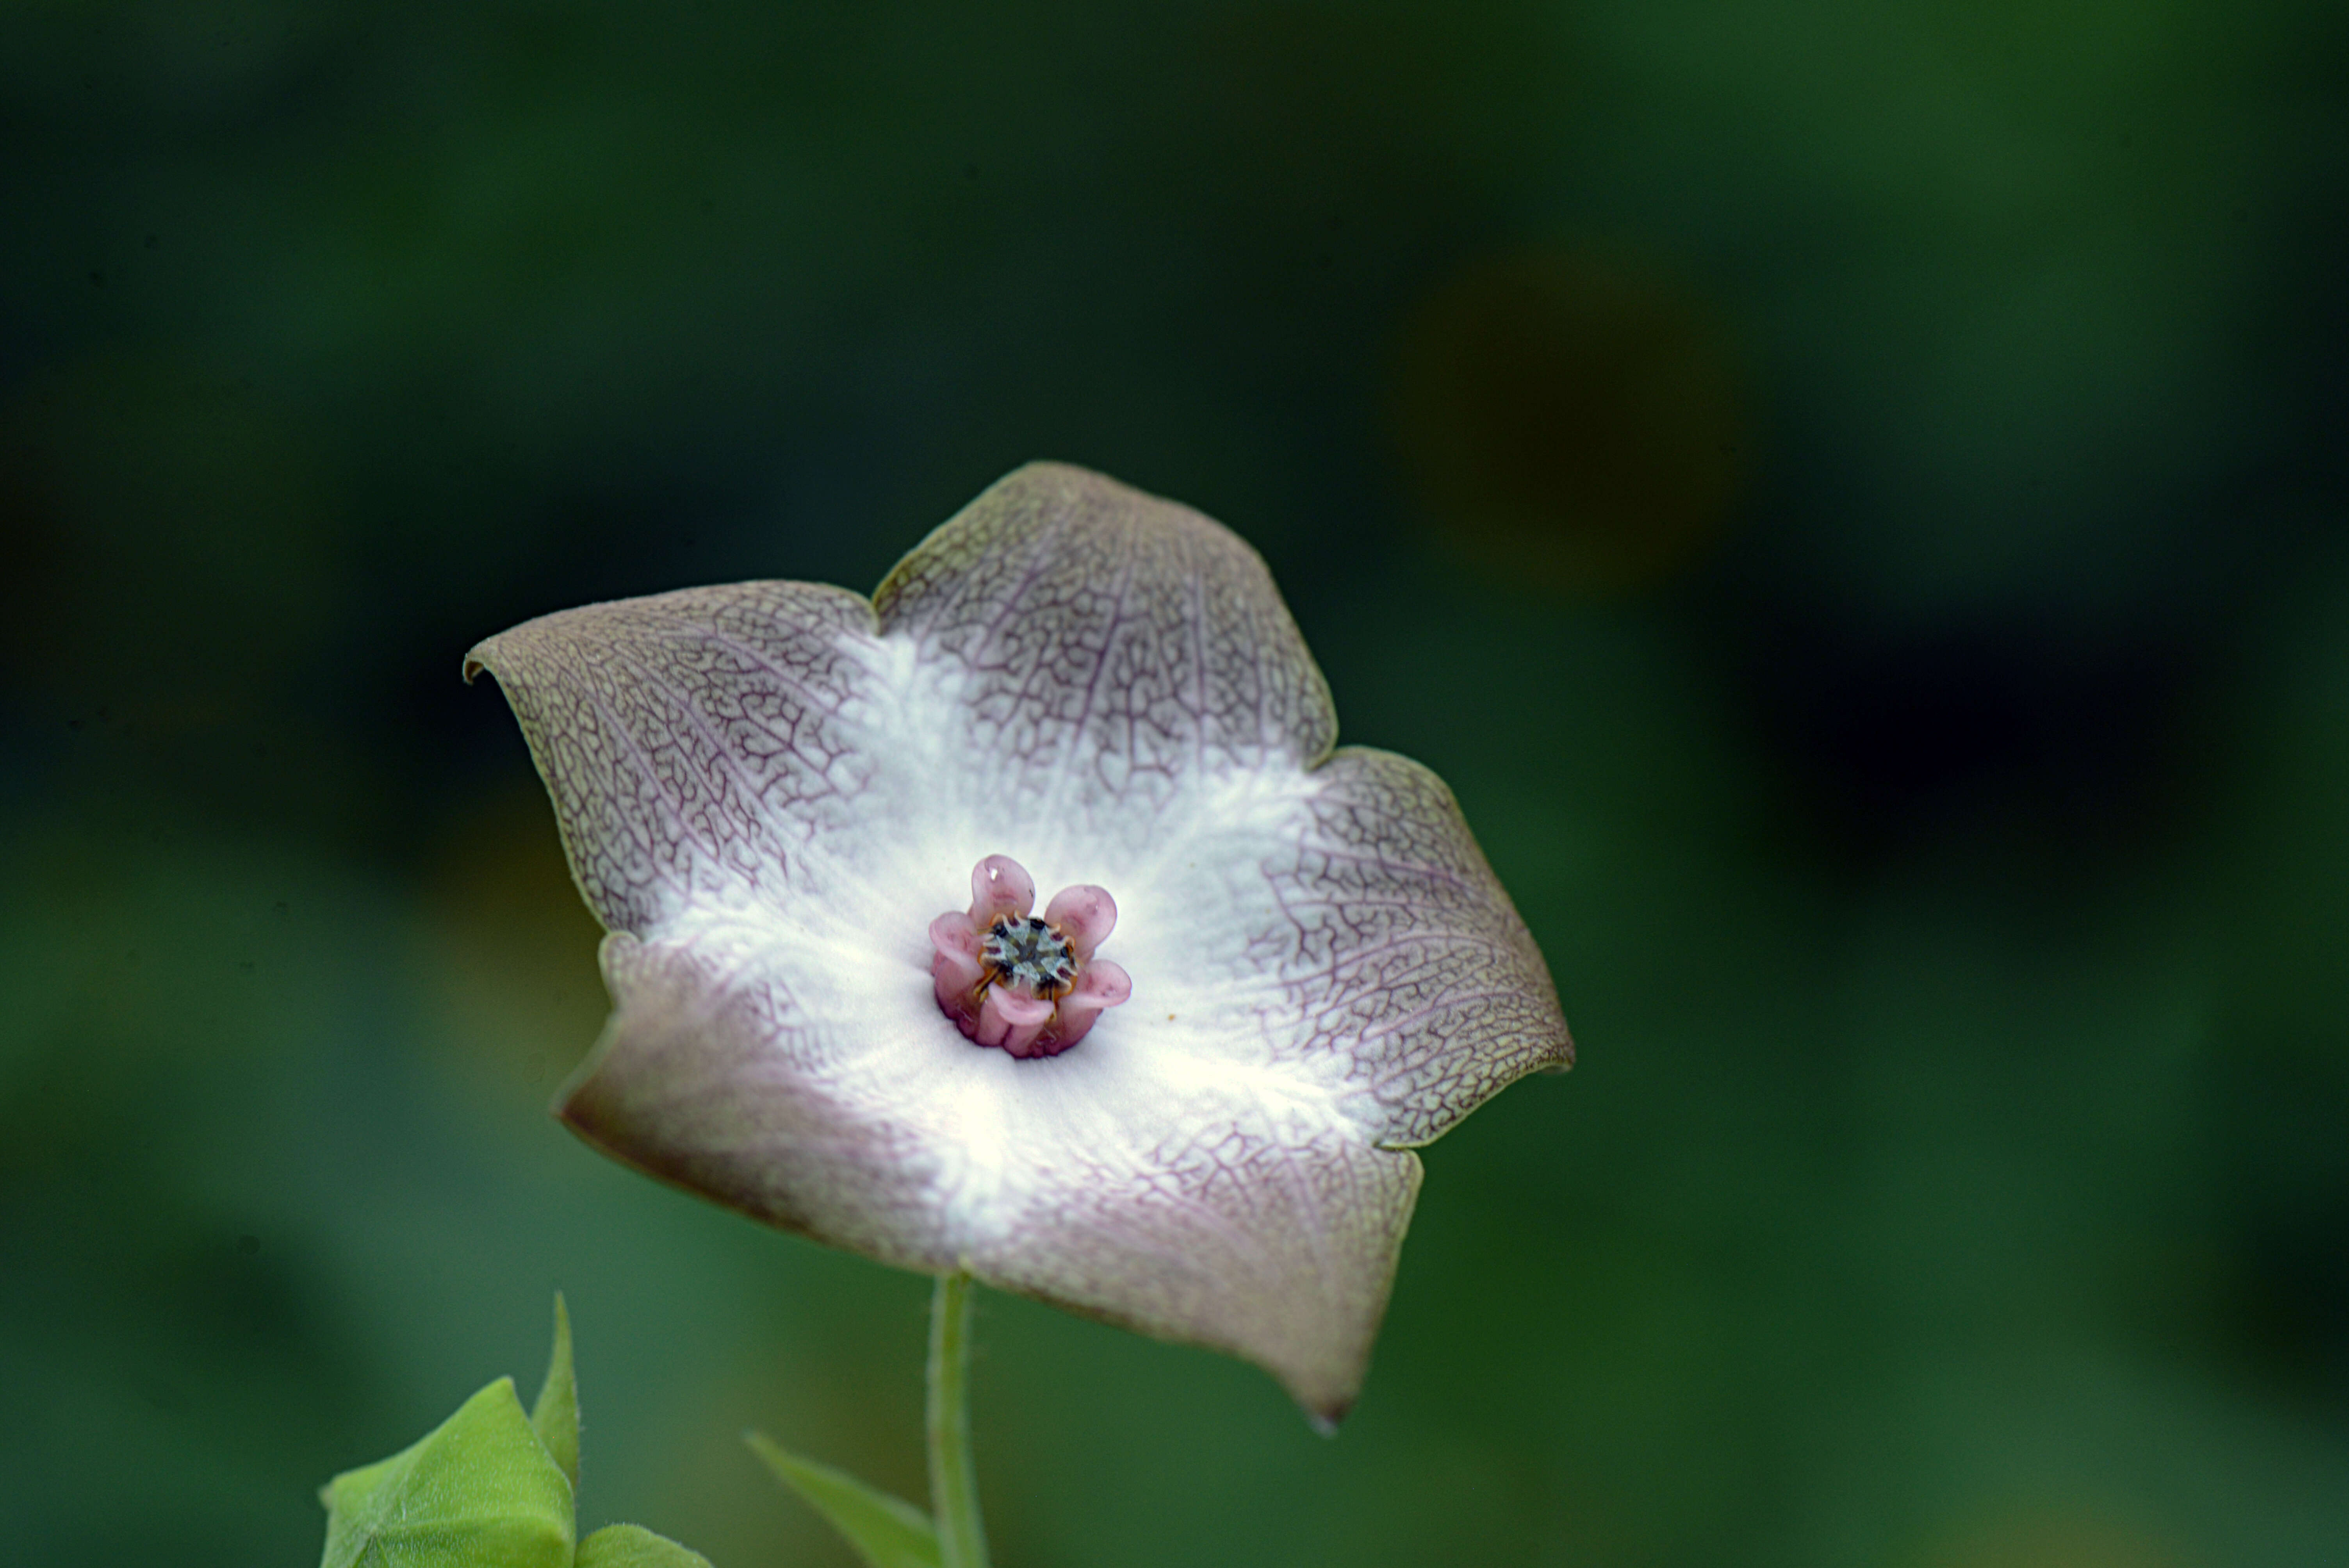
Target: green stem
{"points": [[954, 1484]]}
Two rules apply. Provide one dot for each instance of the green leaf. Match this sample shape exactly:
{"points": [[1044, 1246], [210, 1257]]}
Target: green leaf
{"points": [[479, 1491], [886, 1532], [556, 1416], [634, 1546]]}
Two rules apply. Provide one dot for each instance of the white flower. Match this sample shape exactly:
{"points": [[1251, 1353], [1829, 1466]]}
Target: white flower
{"points": [[770, 791]]}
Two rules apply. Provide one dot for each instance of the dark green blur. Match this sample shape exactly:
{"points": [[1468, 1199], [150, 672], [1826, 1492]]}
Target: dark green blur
{"points": [[1854, 498]]}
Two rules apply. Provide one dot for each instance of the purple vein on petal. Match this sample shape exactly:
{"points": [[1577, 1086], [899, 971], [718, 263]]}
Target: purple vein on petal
{"points": [[1083, 720], [754, 795], [672, 801], [832, 708]]}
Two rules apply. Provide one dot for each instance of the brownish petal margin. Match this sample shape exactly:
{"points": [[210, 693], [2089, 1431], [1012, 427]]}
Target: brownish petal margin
{"points": [[1404, 951], [1282, 1254]]}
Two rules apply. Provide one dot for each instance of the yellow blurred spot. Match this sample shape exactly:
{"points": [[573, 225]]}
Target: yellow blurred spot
{"points": [[1569, 417], [2054, 1538], [512, 949]]}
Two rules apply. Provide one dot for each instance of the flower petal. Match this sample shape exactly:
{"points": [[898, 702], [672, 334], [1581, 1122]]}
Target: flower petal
{"points": [[1281, 1249], [1399, 952], [704, 1081], [693, 742], [1102, 640]]}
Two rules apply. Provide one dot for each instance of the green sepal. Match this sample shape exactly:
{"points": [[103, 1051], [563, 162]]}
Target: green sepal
{"points": [[556, 1416], [886, 1532], [634, 1546], [479, 1491]]}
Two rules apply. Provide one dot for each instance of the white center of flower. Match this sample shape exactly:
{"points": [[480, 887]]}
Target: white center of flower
{"points": [[1030, 954]]}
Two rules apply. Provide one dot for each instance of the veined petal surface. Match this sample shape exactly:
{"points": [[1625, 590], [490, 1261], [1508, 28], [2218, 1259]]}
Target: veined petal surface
{"points": [[769, 790], [694, 743], [1105, 646]]}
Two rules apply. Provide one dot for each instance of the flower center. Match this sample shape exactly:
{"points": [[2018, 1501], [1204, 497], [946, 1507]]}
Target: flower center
{"points": [[1028, 955], [1030, 985]]}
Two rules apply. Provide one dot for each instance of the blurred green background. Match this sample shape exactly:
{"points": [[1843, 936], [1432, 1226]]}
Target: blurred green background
{"points": [[1854, 498]]}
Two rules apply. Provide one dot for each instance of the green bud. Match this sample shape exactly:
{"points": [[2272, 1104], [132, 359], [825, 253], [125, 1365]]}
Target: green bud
{"points": [[479, 1491]]}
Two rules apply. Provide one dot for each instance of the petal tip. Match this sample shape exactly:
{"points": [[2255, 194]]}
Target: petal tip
{"points": [[1327, 1416]]}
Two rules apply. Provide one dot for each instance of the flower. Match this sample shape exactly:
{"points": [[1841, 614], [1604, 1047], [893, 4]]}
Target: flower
{"points": [[769, 791]]}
